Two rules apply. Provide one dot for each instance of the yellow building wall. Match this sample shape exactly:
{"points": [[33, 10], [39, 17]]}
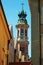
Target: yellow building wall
{"points": [[4, 37]]}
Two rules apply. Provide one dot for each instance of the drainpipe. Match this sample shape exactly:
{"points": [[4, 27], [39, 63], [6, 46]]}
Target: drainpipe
{"points": [[39, 11]]}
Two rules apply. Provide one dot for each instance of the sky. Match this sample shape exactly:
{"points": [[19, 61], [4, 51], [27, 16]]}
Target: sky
{"points": [[12, 8]]}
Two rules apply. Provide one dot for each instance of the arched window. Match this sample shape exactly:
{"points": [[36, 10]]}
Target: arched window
{"points": [[25, 32], [18, 33], [22, 32], [22, 49]]}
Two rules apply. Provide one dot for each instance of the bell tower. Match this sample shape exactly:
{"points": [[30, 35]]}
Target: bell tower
{"points": [[22, 32]]}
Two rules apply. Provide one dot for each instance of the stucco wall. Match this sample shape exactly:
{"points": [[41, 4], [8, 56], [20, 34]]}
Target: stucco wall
{"points": [[35, 32], [3, 40]]}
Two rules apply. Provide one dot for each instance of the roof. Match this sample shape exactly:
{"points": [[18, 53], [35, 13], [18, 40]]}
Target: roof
{"points": [[22, 14], [5, 18]]}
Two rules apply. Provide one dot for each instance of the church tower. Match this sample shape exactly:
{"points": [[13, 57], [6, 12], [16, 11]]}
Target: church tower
{"points": [[22, 33]]}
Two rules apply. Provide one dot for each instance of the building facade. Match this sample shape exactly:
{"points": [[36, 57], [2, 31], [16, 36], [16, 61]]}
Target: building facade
{"points": [[5, 37], [36, 7]]}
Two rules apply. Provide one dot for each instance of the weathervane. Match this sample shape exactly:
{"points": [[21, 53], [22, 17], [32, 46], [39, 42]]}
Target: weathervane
{"points": [[22, 6]]}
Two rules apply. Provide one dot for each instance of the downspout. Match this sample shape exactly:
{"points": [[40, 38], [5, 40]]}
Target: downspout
{"points": [[39, 11]]}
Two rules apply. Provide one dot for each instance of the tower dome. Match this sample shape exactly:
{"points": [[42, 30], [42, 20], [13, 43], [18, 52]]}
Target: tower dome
{"points": [[22, 17]]}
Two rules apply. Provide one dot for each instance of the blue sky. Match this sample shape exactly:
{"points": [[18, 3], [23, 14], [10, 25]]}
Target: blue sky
{"points": [[12, 8]]}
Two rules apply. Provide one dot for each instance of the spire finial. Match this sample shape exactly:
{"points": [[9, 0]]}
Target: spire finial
{"points": [[22, 6]]}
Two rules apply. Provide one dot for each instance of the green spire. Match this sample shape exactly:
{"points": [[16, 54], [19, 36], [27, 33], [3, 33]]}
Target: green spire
{"points": [[22, 14]]}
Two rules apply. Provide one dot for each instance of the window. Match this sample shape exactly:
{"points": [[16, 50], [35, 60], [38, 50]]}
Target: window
{"points": [[18, 32], [22, 32], [25, 32], [22, 49]]}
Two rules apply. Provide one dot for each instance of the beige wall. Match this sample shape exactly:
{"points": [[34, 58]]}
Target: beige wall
{"points": [[11, 46], [35, 32], [11, 51]]}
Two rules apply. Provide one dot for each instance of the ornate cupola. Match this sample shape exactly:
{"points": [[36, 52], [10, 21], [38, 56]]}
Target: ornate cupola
{"points": [[22, 16], [22, 25], [22, 32]]}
